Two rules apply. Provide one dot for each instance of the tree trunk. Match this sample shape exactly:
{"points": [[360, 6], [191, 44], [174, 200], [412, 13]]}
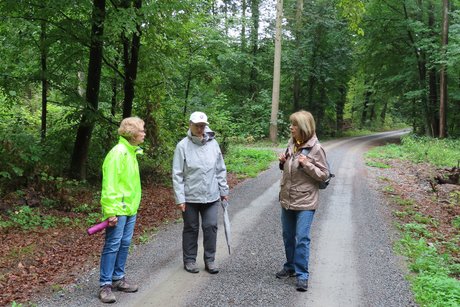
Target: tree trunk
{"points": [[243, 25], [44, 79], [443, 73], [276, 74], [254, 45], [367, 98], [320, 107], [85, 128], [298, 36], [383, 114], [131, 60], [433, 112], [340, 108]]}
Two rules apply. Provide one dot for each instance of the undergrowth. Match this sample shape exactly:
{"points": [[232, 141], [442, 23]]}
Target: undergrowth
{"points": [[435, 271], [248, 162]]}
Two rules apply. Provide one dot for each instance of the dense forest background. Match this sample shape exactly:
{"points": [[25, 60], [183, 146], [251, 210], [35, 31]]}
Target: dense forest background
{"points": [[71, 70]]}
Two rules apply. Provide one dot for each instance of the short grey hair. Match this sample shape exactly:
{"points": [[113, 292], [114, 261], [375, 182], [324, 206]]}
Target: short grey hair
{"points": [[129, 126]]}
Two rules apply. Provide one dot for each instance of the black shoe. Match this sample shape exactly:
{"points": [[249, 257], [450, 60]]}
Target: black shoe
{"points": [[284, 274], [212, 268], [301, 285], [191, 267]]}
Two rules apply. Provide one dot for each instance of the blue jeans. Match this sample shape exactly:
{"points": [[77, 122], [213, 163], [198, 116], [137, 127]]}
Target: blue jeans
{"points": [[115, 251], [296, 237]]}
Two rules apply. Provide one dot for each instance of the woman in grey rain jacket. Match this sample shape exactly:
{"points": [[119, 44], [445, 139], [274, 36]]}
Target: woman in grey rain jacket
{"points": [[200, 181]]}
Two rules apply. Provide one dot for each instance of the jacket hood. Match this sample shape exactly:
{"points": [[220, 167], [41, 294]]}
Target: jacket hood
{"points": [[208, 135]]}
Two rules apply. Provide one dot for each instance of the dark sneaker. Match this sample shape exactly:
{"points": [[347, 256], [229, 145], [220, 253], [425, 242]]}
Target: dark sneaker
{"points": [[124, 286], [212, 268], [106, 295], [301, 285], [191, 267], [284, 274]]}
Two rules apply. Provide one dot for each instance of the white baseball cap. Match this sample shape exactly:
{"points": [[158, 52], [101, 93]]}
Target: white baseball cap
{"points": [[199, 117]]}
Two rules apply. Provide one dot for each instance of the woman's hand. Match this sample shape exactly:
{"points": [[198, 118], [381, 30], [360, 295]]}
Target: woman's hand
{"points": [[113, 220], [181, 207], [282, 157], [303, 160]]}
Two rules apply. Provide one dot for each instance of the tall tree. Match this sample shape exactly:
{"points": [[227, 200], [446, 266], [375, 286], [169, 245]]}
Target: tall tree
{"points": [[255, 11], [443, 73], [131, 57], [44, 77], [298, 38], [86, 126], [276, 73]]}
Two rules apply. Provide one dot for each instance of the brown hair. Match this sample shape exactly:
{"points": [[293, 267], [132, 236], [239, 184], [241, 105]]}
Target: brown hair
{"points": [[306, 123], [130, 126]]}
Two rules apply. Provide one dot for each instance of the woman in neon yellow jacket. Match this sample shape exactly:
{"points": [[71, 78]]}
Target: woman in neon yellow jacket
{"points": [[120, 199]]}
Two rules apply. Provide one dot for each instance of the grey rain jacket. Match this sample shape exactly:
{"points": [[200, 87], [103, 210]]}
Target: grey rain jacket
{"points": [[199, 174]]}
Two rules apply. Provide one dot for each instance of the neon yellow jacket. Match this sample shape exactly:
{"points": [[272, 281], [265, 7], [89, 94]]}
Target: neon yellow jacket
{"points": [[121, 182]]}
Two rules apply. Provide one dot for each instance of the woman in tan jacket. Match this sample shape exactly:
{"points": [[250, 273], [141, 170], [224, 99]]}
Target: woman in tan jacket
{"points": [[304, 166]]}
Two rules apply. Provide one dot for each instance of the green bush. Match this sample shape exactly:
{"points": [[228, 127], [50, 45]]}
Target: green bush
{"points": [[248, 162], [26, 218]]}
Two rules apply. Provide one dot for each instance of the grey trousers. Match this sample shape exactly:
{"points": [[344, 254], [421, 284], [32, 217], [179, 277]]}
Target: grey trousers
{"points": [[191, 218]]}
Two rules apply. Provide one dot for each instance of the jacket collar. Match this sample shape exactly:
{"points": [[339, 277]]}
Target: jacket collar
{"points": [[132, 148], [308, 144]]}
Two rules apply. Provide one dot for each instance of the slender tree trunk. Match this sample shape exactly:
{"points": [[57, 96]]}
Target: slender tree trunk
{"points": [[298, 38], [113, 105], [311, 91], [187, 90], [131, 60], [372, 112], [319, 110], [340, 108], [443, 73], [244, 6], [367, 98], [383, 114], [276, 74], [44, 78], [253, 86], [433, 111], [85, 129]]}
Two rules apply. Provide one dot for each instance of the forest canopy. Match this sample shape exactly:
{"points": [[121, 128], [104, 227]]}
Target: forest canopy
{"points": [[71, 70]]}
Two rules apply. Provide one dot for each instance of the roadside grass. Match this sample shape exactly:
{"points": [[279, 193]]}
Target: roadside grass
{"points": [[435, 271], [433, 282], [248, 162], [441, 153]]}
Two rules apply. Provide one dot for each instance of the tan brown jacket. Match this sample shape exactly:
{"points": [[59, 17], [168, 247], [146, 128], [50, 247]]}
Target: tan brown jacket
{"points": [[299, 185]]}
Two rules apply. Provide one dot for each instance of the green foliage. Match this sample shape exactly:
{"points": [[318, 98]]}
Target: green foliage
{"points": [[432, 284], [456, 222], [248, 162], [25, 217], [403, 201], [92, 218], [442, 153], [377, 164], [437, 290], [417, 230]]}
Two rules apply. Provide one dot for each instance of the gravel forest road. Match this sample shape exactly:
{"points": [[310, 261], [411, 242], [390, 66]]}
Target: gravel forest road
{"points": [[351, 262]]}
